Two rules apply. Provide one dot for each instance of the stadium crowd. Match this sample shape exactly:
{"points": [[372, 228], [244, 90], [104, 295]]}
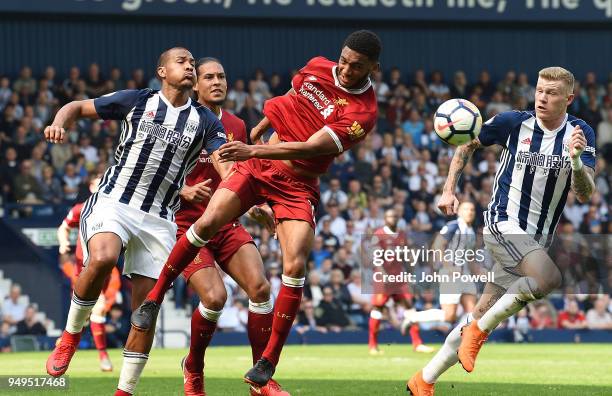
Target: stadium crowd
{"points": [[402, 165]]}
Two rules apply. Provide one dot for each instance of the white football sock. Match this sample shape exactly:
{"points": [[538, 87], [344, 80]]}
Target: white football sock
{"points": [[519, 294], [429, 315], [78, 314], [446, 357], [133, 364]]}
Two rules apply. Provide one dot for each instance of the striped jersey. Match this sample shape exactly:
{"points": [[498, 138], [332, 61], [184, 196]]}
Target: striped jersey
{"points": [[532, 183], [459, 237], [159, 145]]}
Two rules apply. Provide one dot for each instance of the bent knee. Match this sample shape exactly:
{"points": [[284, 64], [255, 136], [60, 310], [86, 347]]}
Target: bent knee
{"points": [[260, 291], [214, 299]]}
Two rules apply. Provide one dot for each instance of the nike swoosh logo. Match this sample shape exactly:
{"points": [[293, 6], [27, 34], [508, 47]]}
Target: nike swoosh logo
{"points": [[442, 127], [59, 368]]}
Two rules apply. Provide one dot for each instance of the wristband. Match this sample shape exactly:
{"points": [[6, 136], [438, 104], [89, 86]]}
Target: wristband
{"points": [[576, 164]]}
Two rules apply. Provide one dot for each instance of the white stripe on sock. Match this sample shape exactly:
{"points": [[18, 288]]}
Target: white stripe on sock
{"points": [[261, 308], [194, 238], [292, 282], [209, 314]]}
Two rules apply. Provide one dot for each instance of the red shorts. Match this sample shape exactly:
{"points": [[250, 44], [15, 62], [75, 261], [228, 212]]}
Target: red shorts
{"points": [[291, 196], [380, 299], [220, 248]]}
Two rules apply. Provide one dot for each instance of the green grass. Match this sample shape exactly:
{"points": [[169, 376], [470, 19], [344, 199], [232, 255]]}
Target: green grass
{"points": [[502, 369]]}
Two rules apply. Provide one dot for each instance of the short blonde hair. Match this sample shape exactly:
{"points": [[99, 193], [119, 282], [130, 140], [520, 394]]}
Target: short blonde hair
{"points": [[557, 73]]}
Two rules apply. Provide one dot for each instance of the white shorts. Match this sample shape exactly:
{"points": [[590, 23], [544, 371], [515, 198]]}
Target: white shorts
{"points": [[455, 298], [508, 243], [146, 238]]}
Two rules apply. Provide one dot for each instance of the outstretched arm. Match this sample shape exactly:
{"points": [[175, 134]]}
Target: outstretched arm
{"points": [[583, 177], [448, 203], [55, 132], [321, 143]]}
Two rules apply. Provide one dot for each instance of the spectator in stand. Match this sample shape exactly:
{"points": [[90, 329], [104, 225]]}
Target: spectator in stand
{"points": [[598, 317], [571, 317], [496, 105], [306, 320], [356, 196], [25, 85], [574, 211], [95, 84], [414, 126], [591, 114], [139, 79], [330, 314], [542, 316], [395, 78], [525, 90], [250, 114], [51, 188], [8, 169], [335, 193], [419, 84], [341, 293], [459, 88], [71, 182], [25, 186], [363, 169], [486, 86], [277, 88], [318, 252], [5, 92], [438, 90], [30, 325], [118, 83], [88, 150], [604, 129], [313, 290], [398, 111], [117, 327], [337, 224], [238, 95], [508, 86], [13, 310], [381, 88]]}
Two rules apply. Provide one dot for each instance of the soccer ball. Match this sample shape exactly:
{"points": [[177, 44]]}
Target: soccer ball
{"points": [[457, 121]]}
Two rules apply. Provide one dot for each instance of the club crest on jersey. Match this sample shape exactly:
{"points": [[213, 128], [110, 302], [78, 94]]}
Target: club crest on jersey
{"points": [[230, 136], [341, 102], [191, 127], [355, 131]]}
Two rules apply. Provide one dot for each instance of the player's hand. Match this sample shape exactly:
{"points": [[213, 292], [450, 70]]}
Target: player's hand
{"points": [[264, 216], [64, 248], [198, 192], [235, 151], [577, 142], [448, 204], [54, 134]]}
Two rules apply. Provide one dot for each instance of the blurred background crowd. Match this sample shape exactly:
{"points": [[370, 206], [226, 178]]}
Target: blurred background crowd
{"points": [[401, 165]]}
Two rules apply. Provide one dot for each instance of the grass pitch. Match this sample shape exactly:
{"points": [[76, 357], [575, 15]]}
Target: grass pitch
{"points": [[502, 369]]}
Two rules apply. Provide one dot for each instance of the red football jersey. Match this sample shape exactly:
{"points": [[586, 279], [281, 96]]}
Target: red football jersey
{"points": [[72, 220], [386, 239], [204, 169], [321, 102]]}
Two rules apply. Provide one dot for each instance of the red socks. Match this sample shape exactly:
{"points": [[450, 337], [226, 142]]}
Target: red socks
{"points": [[202, 331], [182, 254], [259, 328], [414, 334], [285, 309], [99, 335], [119, 392], [373, 326]]}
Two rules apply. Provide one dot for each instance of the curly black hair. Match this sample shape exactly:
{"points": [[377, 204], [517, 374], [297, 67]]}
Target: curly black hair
{"points": [[365, 42]]}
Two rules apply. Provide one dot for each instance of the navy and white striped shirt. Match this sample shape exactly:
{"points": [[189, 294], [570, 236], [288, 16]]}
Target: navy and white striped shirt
{"points": [[532, 183], [159, 145]]}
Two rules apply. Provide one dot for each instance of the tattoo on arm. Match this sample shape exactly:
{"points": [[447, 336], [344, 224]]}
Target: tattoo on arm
{"points": [[460, 159], [583, 183]]}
